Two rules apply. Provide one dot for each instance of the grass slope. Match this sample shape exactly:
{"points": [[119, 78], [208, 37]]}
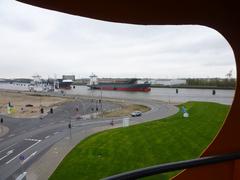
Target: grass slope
{"points": [[118, 150]]}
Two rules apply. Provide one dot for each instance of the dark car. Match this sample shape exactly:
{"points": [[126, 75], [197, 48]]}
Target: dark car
{"points": [[136, 113]]}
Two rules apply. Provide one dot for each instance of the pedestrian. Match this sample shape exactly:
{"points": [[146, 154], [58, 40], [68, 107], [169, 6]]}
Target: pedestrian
{"points": [[51, 110], [77, 109], [112, 123], [213, 92], [1, 120]]}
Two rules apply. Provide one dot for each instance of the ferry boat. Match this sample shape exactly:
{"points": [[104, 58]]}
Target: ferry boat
{"points": [[38, 85]]}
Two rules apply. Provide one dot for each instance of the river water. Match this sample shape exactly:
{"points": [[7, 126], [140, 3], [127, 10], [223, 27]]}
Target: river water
{"points": [[164, 94]]}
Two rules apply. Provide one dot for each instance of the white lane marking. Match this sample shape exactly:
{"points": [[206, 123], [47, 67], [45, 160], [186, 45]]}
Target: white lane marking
{"points": [[47, 137], [11, 135], [23, 151], [56, 133], [7, 147], [33, 154], [28, 139], [7, 154], [52, 123], [21, 176]]}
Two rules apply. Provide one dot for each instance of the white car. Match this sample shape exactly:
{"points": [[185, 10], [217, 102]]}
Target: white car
{"points": [[136, 113]]}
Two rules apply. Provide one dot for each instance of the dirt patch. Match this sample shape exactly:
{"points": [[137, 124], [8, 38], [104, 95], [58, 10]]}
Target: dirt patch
{"points": [[27, 106], [125, 110]]}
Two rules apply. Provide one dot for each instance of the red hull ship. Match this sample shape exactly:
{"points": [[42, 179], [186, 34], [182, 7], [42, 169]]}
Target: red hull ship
{"points": [[119, 85]]}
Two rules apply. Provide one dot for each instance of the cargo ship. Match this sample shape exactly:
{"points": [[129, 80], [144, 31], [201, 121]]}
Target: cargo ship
{"points": [[118, 85]]}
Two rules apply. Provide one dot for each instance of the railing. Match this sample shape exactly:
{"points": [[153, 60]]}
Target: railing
{"points": [[162, 168]]}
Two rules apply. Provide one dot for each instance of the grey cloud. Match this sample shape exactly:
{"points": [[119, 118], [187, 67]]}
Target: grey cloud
{"points": [[48, 42]]}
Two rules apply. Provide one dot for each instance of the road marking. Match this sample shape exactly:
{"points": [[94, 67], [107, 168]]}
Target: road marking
{"points": [[23, 152], [28, 139], [33, 154], [21, 176], [56, 133], [11, 135], [7, 147], [7, 154], [47, 137]]}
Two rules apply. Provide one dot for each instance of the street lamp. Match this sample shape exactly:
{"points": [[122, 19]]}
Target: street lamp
{"points": [[101, 104], [70, 129]]}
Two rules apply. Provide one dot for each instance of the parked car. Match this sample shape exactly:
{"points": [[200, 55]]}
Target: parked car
{"points": [[136, 113]]}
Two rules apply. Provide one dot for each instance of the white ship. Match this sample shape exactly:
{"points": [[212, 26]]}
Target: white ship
{"points": [[38, 85]]}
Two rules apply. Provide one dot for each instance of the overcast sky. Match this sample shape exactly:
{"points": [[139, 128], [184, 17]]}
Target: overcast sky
{"points": [[38, 41]]}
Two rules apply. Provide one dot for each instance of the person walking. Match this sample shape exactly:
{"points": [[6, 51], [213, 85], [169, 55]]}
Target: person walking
{"points": [[112, 123]]}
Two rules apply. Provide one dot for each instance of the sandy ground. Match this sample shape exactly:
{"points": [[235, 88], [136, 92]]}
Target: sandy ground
{"points": [[125, 110], [21, 100]]}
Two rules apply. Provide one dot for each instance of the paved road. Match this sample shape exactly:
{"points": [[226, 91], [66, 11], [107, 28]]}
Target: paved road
{"points": [[28, 139]]}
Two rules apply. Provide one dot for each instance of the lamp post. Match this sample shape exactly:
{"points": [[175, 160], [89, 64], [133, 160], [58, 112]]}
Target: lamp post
{"points": [[70, 130], [101, 104]]}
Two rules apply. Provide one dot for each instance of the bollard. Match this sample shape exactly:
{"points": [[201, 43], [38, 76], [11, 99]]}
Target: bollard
{"points": [[176, 91], [1, 120], [69, 126], [51, 110], [213, 92], [41, 110]]}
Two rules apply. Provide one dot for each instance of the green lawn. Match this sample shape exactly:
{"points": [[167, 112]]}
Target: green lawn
{"points": [[118, 150]]}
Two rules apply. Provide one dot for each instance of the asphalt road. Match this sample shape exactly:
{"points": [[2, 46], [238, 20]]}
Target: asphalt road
{"points": [[28, 139]]}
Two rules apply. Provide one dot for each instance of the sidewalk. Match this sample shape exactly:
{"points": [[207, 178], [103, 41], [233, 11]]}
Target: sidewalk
{"points": [[45, 166], [3, 130]]}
